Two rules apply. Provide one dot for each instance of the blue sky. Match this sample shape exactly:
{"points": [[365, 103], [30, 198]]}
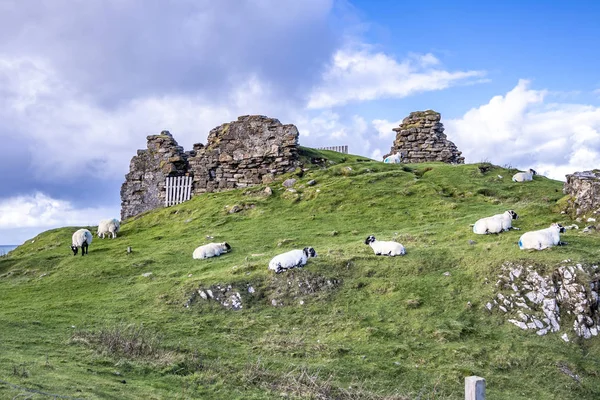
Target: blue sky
{"points": [[83, 83]]}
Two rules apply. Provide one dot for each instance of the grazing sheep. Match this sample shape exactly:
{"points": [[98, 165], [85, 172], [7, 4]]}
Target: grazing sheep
{"points": [[210, 250], [291, 259], [496, 223], [542, 238], [524, 176], [393, 159], [385, 248], [81, 238], [111, 226]]}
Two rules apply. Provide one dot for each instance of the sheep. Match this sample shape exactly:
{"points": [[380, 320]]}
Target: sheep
{"points": [[291, 259], [210, 250], [496, 223], [385, 248], [524, 176], [393, 159], [111, 226], [81, 238], [542, 238]]}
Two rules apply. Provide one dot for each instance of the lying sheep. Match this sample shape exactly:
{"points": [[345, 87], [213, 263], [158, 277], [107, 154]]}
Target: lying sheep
{"points": [[543, 238], [210, 250], [111, 226], [81, 238], [524, 176], [496, 223], [393, 159], [385, 248], [291, 259]]}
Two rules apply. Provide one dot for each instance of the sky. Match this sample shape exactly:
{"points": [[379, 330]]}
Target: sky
{"points": [[83, 82]]}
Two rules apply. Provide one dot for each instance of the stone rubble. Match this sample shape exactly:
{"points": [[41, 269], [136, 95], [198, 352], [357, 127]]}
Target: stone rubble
{"points": [[420, 138], [541, 303], [226, 295]]}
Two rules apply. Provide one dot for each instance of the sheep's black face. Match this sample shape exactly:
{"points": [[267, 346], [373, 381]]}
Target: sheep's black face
{"points": [[561, 229], [74, 250], [311, 252], [227, 246], [532, 171], [370, 239], [513, 214]]}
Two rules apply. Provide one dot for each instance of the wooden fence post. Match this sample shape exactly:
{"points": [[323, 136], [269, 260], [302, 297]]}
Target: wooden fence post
{"points": [[474, 388]]}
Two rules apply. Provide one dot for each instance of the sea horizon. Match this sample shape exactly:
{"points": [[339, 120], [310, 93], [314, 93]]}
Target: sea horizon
{"points": [[5, 248]]}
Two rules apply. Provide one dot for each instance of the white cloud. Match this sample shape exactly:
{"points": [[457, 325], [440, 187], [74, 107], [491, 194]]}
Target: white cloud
{"points": [[362, 75], [384, 129], [523, 130], [70, 136], [329, 128], [40, 211]]}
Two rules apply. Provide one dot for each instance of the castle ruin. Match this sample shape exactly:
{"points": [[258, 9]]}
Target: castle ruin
{"points": [[420, 138], [252, 150]]}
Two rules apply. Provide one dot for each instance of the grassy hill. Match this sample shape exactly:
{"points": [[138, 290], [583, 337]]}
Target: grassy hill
{"points": [[350, 325]]}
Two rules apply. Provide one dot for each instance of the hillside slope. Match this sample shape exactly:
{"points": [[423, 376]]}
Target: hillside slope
{"points": [[348, 325]]}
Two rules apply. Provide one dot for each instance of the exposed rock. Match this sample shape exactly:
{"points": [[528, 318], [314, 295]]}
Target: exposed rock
{"points": [[420, 138], [235, 209], [249, 151], [297, 285], [288, 183], [542, 303], [312, 182], [584, 189], [226, 295]]}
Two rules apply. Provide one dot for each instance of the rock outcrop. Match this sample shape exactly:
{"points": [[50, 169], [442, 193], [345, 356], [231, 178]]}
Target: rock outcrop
{"points": [[420, 138], [584, 188], [252, 150], [569, 297]]}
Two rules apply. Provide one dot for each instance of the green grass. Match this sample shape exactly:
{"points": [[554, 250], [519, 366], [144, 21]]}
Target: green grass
{"points": [[390, 328]]}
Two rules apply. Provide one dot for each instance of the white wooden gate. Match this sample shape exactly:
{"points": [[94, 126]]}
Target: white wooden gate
{"points": [[178, 189]]}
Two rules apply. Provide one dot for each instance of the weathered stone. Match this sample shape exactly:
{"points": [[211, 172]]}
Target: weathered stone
{"points": [[584, 189], [420, 138], [249, 151], [288, 183]]}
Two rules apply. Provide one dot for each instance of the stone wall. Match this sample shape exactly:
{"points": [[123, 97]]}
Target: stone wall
{"points": [[144, 185], [242, 153], [420, 138], [252, 150], [584, 187]]}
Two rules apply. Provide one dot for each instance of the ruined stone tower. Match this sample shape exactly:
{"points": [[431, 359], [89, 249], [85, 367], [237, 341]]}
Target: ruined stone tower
{"points": [[252, 150], [420, 138]]}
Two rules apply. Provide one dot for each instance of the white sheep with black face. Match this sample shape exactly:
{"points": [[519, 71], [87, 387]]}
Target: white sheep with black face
{"points": [[81, 238], [496, 223], [210, 250], [106, 226], [382, 248], [524, 176], [543, 238], [291, 259]]}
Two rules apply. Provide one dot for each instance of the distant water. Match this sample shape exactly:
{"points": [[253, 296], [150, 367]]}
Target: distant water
{"points": [[5, 248]]}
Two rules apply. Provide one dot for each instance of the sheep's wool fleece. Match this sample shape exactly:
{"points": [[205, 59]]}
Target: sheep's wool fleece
{"points": [[81, 236]]}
